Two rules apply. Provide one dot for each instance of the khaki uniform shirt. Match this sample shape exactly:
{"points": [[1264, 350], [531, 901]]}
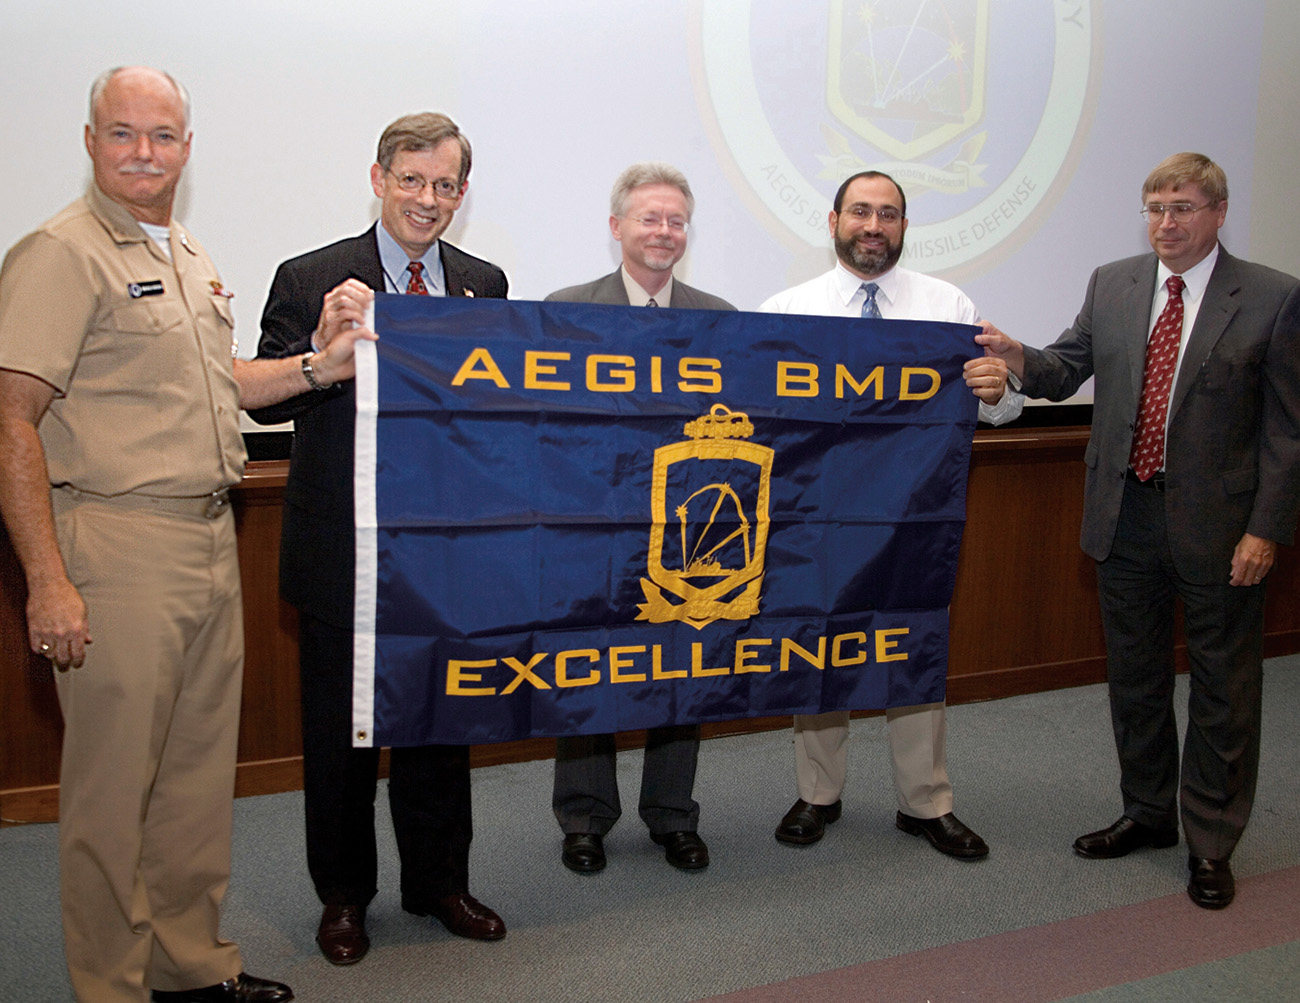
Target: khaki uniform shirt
{"points": [[137, 348]]}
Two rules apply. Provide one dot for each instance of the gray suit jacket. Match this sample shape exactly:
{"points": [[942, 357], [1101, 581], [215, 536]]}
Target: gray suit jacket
{"points": [[611, 290], [1232, 455]]}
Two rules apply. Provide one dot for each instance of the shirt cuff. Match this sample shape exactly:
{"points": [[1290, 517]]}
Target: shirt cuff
{"points": [[1008, 408]]}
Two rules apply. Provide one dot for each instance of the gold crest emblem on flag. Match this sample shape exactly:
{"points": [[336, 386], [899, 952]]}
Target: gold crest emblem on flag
{"points": [[711, 555], [908, 78]]}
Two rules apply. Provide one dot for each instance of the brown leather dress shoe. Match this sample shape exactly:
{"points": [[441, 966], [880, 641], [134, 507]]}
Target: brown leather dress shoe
{"points": [[341, 935], [1212, 885], [462, 914], [947, 834], [684, 850], [806, 823], [1123, 838], [583, 852], [243, 988]]}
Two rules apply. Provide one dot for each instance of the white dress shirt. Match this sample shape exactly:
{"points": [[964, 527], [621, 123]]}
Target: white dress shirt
{"points": [[901, 294], [1195, 281], [637, 296], [396, 263]]}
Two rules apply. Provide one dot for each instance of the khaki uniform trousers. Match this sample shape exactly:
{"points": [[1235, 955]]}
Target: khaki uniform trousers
{"points": [[151, 722], [916, 745]]}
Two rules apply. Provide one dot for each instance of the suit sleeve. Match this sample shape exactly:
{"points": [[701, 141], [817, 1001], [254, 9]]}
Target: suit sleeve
{"points": [[1057, 371], [1277, 497], [292, 310]]}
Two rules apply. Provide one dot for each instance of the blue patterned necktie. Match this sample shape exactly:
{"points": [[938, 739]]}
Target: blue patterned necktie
{"points": [[869, 308]]}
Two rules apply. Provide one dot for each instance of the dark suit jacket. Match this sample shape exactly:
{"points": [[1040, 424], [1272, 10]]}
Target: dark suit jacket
{"points": [[611, 290], [318, 543], [1232, 456]]}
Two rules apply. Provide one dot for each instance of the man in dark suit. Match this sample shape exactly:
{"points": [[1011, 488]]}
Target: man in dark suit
{"points": [[1193, 480], [420, 178], [650, 212]]}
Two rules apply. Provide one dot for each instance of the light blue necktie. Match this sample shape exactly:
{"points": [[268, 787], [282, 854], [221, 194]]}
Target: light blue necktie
{"points": [[869, 308]]}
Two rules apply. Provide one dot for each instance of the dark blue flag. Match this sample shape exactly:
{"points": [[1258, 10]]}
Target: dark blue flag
{"points": [[578, 518]]}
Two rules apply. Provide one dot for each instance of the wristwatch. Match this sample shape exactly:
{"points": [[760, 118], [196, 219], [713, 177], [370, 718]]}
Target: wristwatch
{"points": [[310, 373]]}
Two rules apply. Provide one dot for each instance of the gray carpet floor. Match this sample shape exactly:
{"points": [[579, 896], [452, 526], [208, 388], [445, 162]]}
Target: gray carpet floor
{"points": [[1030, 774]]}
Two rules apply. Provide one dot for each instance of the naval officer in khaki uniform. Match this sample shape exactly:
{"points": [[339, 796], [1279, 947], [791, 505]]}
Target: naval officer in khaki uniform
{"points": [[119, 438]]}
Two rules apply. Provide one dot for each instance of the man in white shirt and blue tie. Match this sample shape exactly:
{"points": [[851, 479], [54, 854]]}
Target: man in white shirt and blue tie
{"points": [[867, 225]]}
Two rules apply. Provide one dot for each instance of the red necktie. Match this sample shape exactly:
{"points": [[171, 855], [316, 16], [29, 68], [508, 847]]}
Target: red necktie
{"points": [[1148, 453], [416, 286]]}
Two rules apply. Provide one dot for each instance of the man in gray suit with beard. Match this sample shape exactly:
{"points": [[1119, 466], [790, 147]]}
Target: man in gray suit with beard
{"points": [[650, 213], [1193, 480]]}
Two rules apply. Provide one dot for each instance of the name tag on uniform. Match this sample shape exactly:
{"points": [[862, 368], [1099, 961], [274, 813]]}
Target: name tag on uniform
{"points": [[152, 288]]}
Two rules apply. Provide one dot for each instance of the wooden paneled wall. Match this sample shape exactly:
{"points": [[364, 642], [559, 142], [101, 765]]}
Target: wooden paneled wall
{"points": [[1024, 619]]}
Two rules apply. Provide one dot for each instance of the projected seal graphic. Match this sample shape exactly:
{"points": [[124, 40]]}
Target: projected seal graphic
{"points": [[977, 109], [705, 561]]}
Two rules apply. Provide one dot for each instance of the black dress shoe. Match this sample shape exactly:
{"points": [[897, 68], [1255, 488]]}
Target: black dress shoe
{"points": [[243, 988], [1212, 885], [583, 852], [462, 914], [341, 935], [1123, 838], [947, 834], [806, 823], [684, 850]]}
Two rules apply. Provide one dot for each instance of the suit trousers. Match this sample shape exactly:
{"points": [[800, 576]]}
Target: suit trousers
{"points": [[428, 790], [917, 747], [585, 796], [1224, 625], [151, 724]]}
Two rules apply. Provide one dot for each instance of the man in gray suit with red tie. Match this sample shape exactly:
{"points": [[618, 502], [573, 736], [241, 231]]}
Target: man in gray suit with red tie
{"points": [[650, 212], [1193, 480], [420, 175]]}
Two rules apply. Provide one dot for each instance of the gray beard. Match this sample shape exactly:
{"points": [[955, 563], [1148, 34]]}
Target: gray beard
{"points": [[868, 262], [655, 265]]}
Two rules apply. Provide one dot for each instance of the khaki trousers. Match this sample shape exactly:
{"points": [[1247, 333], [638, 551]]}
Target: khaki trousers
{"points": [[151, 722], [916, 746]]}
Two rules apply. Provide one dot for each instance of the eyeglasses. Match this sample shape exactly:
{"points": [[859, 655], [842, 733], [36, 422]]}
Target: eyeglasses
{"points": [[674, 223], [888, 215], [1180, 212], [443, 188], [120, 135]]}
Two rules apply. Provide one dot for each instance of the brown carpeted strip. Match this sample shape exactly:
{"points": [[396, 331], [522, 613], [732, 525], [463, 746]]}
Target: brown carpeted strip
{"points": [[1059, 960]]}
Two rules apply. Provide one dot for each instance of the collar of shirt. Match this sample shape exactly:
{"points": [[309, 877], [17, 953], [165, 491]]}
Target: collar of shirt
{"points": [[160, 235], [848, 286], [395, 262], [1195, 279], [637, 296], [126, 229]]}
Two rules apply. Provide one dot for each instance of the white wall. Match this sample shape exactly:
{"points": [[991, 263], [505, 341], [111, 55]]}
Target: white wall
{"points": [[765, 105]]}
